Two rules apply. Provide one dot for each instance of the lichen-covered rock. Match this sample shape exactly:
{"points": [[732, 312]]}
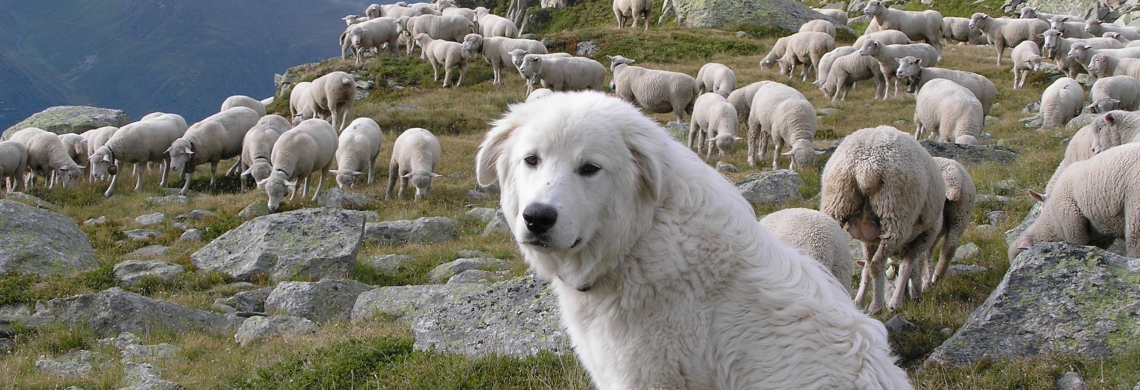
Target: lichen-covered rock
{"points": [[408, 302], [120, 342], [35, 241], [192, 235], [31, 200], [143, 376], [785, 14], [150, 219], [388, 264], [422, 230], [132, 272], [317, 301], [478, 276], [141, 234], [252, 301], [315, 243], [970, 154], [254, 210], [1058, 299], [497, 225], [445, 271], [71, 119], [74, 364], [261, 328], [771, 187], [139, 353], [147, 252], [114, 311], [338, 198]]}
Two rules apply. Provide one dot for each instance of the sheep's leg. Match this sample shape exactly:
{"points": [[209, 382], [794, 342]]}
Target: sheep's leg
{"points": [[213, 172], [1000, 46], [236, 168], [30, 180], [320, 183], [393, 173], [753, 133], [878, 264], [371, 168], [403, 184], [949, 247], [305, 189], [462, 71], [186, 174], [901, 279], [694, 136], [165, 171], [138, 179], [241, 178], [111, 187], [865, 279], [765, 136], [435, 72]]}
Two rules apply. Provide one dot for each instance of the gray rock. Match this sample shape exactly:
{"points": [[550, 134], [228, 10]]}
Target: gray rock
{"points": [[317, 301], [826, 111], [192, 235], [407, 302], [199, 214], [132, 272], [114, 311], [183, 226], [786, 14], [1032, 107], [248, 301], [1033, 121], [261, 328], [497, 225], [856, 7], [484, 214], [477, 195], [859, 19], [445, 271], [315, 243], [31, 201], [771, 187], [7, 346], [588, 48], [74, 364], [148, 251], [71, 119], [15, 309], [422, 230], [971, 154], [1081, 121], [95, 221], [141, 234], [254, 210], [967, 251], [679, 130], [1057, 300], [722, 166], [985, 229], [472, 254], [900, 123], [1071, 381], [490, 188], [898, 324], [959, 269], [477, 276], [388, 264], [120, 342], [1013, 234], [149, 353], [35, 241], [150, 219], [744, 35], [169, 199], [990, 121], [997, 217], [142, 376], [338, 198]]}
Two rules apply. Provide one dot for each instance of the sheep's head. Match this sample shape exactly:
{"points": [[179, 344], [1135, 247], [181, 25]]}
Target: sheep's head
{"points": [[1042, 230], [1050, 44], [422, 39], [180, 153], [870, 48], [1098, 65], [1077, 50], [1103, 105], [802, 154], [908, 67], [619, 60], [422, 181], [517, 56], [70, 174], [1028, 13], [724, 143], [345, 178], [966, 139], [259, 170], [277, 187], [873, 7], [1058, 22], [101, 163], [472, 43], [1111, 34], [531, 65], [977, 19], [1092, 26], [1034, 63]]}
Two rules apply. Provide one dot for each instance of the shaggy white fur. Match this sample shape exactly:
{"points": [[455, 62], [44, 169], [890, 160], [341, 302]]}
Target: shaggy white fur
{"points": [[664, 278]]}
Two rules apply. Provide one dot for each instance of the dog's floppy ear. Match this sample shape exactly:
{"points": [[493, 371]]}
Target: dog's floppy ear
{"points": [[648, 166], [489, 152]]}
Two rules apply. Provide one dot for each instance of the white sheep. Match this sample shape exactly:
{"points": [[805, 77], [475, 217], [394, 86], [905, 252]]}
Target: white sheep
{"points": [[778, 50], [1057, 48], [95, 139], [448, 8], [949, 111], [1096, 27], [1078, 149], [415, 155], [371, 35], [305, 149], [448, 28], [718, 78], [626, 10], [1114, 93], [1113, 129], [1026, 57], [218, 137], [13, 163], [919, 26], [848, 69], [784, 115], [1104, 65], [497, 51], [491, 25], [244, 101], [658, 91], [559, 73], [888, 192], [1068, 27], [144, 141], [910, 68], [1004, 32], [517, 56], [397, 11], [837, 16], [714, 121], [76, 147], [1092, 203], [741, 100], [301, 102], [448, 54], [816, 235], [888, 37], [354, 19], [1031, 13], [356, 152], [257, 147], [960, 196], [819, 25], [827, 60], [1062, 101], [332, 96], [805, 48], [1083, 53], [538, 94], [887, 56], [958, 29], [45, 153], [373, 11]]}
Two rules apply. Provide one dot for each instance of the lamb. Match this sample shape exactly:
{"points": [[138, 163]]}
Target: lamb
{"points": [[806, 48], [563, 73], [848, 69], [301, 151], [911, 68], [718, 78], [448, 28], [887, 37], [1096, 27], [1003, 32], [301, 102], [960, 196], [371, 35], [46, 153], [332, 96], [887, 56], [827, 60], [13, 163], [1092, 203], [656, 90], [415, 155], [625, 10], [714, 119], [819, 25], [918, 26], [496, 50], [244, 101], [783, 114], [741, 99], [356, 152], [816, 235], [1061, 102], [354, 19], [1068, 28], [949, 111], [958, 29], [1114, 93], [491, 25], [1026, 57], [1057, 48], [139, 142], [218, 137], [439, 52], [257, 147], [448, 8], [1031, 13], [1103, 65], [888, 192], [517, 57], [837, 16]]}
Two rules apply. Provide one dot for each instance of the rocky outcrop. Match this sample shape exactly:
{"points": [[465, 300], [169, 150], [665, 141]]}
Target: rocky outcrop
{"points": [[785, 14], [970, 154], [114, 311], [318, 301], [132, 272], [771, 187], [422, 230], [444, 272], [314, 243], [261, 328], [71, 119], [36, 241]]}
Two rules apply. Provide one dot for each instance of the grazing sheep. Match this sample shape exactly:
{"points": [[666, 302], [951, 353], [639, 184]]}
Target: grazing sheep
{"points": [[658, 91], [415, 155], [949, 111], [1103, 65], [300, 152], [741, 100], [491, 25], [1057, 48], [960, 195], [257, 147], [1093, 203], [819, 25], [887, 37], [918, 26], [806, 48], [332, 96], [1079, 149], [718, 78], [1114, 93], [783, 114], [95, 139], [1031, 13], [13, 163], [46, 153], [449, 28], [559, 73], [779, 49], [910, 68], [497, 50], [626, 10], [301, 103], [1096, 27], [448, 8], [714, 119], [244, 101], [1004, 32], [76, 147], [371, 35], [218, 137], [888, 55], [837, 16], [848, 69], [1083, 53], [1026, 57], [827, 60], [887, 192], [1068, 27], [448, 54], [958, 29], [139, 142], [1062, 101], [356, 152], [816, 235]]}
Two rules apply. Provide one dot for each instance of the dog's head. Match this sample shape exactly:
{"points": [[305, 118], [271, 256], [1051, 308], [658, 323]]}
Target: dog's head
{"points": [[581, 174]]}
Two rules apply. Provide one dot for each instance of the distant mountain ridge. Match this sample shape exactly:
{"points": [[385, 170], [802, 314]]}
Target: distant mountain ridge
{"points": [[141, 56]]}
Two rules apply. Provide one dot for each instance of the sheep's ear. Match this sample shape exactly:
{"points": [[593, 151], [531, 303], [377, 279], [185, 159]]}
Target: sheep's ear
{"points": [[918, 61], [245, 174], [188, 151], [334, 171], [1108, 118], [107, 158], [261, 184], [354, 173], [611, 58], [900, 60], [1036, 196], [491, 150], [788, 154], [1024, 243], [408, 176], [819, 152], [736, 139], [433, 174], [1113, 101]]}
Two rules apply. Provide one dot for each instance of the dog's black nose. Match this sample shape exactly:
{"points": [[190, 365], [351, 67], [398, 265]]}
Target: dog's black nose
{"points": [[539, 217]]}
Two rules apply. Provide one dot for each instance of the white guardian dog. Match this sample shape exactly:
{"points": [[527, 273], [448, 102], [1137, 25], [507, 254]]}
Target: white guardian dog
{"points": [[664, 278]]}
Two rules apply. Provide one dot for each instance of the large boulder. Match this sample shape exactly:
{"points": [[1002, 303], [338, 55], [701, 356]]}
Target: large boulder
{"points": [[771, 187], [317, 301], [36, 241], [1058, 299], [970, 154], [113, 311], [313, 243], [71, 119], [785, 14]]}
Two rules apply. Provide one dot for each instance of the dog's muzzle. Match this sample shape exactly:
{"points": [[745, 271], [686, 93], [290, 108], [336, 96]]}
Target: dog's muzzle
{"points": [[539, 217]]}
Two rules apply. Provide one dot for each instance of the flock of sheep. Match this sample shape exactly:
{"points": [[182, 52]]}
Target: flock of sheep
{"points": [[881, 186]]}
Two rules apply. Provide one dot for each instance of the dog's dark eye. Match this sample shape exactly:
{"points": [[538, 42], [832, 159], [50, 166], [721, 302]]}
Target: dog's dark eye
{"points": [[588, 169], [531, 160]]}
